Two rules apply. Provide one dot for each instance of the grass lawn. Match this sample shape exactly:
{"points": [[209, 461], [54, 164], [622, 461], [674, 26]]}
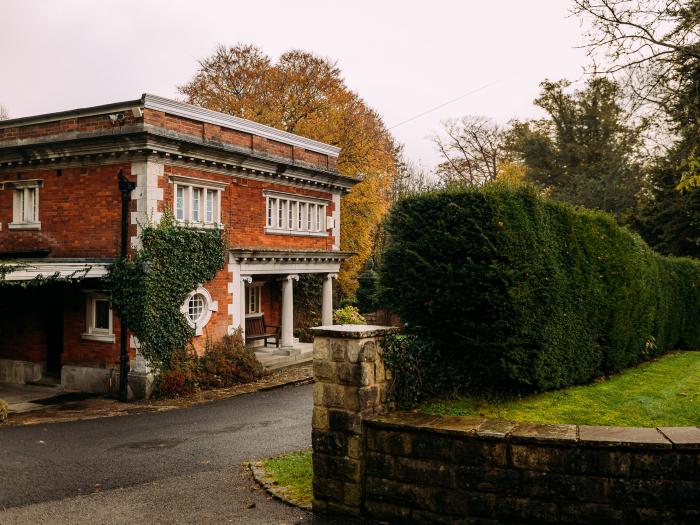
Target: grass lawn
{"points": [[665, 392], [292, 471]]}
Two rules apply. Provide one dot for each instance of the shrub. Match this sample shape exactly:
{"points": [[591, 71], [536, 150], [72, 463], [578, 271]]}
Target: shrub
{"points": [[3, 410], [181, 377], [348, 315], [224, 363], [522, 292], [367, 291], [228, 362], [418, 369]]}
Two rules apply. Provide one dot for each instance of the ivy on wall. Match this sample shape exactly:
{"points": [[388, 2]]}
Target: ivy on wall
{"points": [[149, 289]]}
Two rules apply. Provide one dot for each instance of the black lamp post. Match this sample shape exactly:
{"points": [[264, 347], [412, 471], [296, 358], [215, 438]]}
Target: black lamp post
{"points": [[125, 187]]}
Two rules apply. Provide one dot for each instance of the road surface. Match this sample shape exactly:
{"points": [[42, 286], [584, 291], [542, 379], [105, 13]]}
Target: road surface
{"points": [[178, 466]]}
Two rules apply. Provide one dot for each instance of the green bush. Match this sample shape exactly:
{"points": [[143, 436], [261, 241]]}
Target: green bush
{"points": [[348, 315], [3, 410], [418, 369], [522, 292], [367, 291]]}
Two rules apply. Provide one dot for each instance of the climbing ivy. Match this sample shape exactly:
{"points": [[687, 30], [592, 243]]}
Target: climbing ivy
{"points": [[149, 289]]}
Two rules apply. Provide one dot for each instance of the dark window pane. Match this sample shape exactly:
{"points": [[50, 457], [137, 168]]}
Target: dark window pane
{"points": [[102, 314]]}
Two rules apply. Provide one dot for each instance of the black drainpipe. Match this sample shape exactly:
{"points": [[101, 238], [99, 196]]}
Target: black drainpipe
{"points": [[125, 187]]}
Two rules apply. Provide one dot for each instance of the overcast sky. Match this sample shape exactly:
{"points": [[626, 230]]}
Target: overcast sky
{"points": [[402, 57]]}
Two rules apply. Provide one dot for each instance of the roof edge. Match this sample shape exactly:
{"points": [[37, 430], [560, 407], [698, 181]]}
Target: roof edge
{"points": [[209, 116], [182, 109]]}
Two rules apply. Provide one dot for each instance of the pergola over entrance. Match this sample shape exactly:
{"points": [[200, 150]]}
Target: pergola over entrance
{"points": [[244, 264]]}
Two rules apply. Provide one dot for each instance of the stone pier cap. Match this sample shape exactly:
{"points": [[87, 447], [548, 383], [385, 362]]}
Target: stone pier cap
{"points": [[354, 331]]}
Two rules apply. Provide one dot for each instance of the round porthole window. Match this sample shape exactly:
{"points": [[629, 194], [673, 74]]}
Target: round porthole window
{"points": [[198, 308], [195, 308]]}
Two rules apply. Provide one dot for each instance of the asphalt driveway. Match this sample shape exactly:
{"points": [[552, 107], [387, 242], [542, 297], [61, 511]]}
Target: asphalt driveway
{"points": [[179, 466]]}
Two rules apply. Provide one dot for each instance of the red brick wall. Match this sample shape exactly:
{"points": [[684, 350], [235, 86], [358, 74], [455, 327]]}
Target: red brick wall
{"points": [[271, 300], [243, 211], [79, 211], [25, 314], [216, 133], [82, 352], [73, 124], [219, 322]]}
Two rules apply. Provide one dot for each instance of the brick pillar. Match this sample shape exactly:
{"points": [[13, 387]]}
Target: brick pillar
{"points": [[350, 384]]}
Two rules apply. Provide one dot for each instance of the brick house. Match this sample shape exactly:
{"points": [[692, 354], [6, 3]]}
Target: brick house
{"points": [[276, 194]]}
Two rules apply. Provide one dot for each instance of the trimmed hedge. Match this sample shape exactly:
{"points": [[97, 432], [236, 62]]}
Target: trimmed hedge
{"points": [[522, 292]]}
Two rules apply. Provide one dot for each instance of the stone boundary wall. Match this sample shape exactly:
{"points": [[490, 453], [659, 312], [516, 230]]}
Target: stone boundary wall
{"points": [[446, 469], [410, 468]]}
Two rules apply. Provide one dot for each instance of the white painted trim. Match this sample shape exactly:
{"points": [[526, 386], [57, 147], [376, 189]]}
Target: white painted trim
{"points": [[209, 307], [24, 226], [336, 222], [91, 332], [296, 196], [297, 233], [296, 267], [200, 183], [189, 111], [102, 338], [28, 271]]}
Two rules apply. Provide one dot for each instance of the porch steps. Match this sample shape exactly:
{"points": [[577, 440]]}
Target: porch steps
{"points": [[276, 358]]}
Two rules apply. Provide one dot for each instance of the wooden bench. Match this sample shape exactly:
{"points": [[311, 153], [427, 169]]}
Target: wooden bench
{"points": [[255, 328]]}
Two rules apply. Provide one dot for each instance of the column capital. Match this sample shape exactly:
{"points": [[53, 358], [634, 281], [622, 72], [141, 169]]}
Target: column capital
{"points": [[330, 276], [246, 279], [290, 277]]}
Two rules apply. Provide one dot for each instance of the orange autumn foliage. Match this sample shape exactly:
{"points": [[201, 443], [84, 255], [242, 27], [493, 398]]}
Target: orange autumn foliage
{"points": [[306, 94]]}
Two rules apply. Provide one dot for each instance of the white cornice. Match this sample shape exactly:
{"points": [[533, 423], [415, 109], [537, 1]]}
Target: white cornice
{"points": [[26, 271], [189, 111]]}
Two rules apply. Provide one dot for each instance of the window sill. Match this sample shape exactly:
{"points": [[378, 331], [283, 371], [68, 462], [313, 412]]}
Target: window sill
{"points": [[297, 233], [253, 316], [24, 226], [102, 338], [201, 225]]}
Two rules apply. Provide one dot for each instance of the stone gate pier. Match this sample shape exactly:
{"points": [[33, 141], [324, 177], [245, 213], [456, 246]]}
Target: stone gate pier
{"points": [[412, 468]]}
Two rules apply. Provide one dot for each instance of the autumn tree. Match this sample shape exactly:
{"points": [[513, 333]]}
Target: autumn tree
{"points": [[585, 151], [305, 94], [471, 148]]}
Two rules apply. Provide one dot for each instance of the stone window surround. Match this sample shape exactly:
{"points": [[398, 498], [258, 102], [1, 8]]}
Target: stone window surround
{"points": [[189, 184], [209, 307], [25, 187], [298, 200], [93, 333]]}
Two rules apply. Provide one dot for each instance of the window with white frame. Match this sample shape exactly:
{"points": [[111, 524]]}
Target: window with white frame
{"points": [[98, 318], [197, 202], [198, 308], [294, 215], [253, 293], [25, 204]]}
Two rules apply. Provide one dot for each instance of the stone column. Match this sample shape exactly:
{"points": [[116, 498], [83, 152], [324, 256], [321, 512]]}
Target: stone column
{"points": [[327, 299], [241, 302], [350, 384], [288, 311]]}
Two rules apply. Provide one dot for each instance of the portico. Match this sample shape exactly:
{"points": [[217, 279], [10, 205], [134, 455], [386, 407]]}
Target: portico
{"points": [[264, 280]]}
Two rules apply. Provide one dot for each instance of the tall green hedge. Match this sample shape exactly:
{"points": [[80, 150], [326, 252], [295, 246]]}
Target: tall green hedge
{"points": [[522, 292]]}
